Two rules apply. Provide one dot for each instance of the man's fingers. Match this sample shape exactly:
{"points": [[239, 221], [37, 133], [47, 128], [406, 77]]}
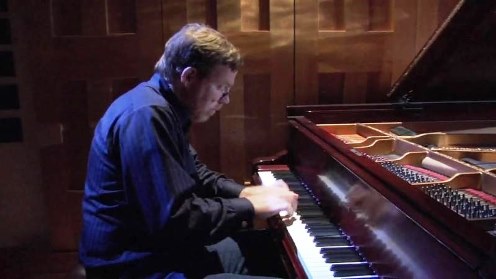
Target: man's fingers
{"points": [[280, 183], [283, 213], [288, 221]]}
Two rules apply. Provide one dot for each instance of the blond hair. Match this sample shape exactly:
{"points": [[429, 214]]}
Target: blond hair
{"points": [[199, 46]]}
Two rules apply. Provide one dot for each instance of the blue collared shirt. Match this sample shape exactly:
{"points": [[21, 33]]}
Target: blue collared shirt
{"points": [[146, 193]]}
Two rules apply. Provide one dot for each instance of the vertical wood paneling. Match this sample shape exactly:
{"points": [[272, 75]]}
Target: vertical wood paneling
{"points": [[22, 214], [76, 133], [205, 139], [357, 15], [264, 12], [257, 106], [377, 39], [150, 41], [94, 18], [121, 16], [404, 43], [255, 15], [331, 15], [196, 10], [174, 16], [282, 70], [70, 77], [380, 15], [229, 18], [331, 87], [307, 51], [376, 82], [428, 11], [98, 98], [66, 17], [122, 85], [355, 87], [211, 13], [250, 15], [231, 137], [55, 180]]}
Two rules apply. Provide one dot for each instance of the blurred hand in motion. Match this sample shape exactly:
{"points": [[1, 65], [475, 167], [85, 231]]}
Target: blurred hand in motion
{"points": [[286, 218], [270, 200]]}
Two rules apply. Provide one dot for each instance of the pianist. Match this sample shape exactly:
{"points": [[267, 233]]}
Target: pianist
{"points": [[151, 209]]}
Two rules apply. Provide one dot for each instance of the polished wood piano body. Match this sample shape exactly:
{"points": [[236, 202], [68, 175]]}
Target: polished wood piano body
{"points": [[352, 159]]}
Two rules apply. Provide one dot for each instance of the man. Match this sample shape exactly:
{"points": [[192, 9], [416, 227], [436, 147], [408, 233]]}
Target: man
{"points": [[151, 209]]}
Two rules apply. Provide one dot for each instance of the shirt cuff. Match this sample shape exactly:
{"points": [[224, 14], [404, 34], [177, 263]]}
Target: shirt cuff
{"points": [[245, 211]]}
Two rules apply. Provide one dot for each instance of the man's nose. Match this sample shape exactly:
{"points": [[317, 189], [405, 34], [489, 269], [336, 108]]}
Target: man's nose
{"points": [[225, 100]]}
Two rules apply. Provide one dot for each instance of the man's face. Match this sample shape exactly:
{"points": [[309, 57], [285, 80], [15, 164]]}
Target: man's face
{"points": [[205, 96]]}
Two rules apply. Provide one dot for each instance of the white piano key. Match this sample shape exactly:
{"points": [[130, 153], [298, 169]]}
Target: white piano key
{"points": [[312, 261]]}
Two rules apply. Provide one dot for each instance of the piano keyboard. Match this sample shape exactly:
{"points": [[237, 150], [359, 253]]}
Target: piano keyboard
{"points": [[323, 250]]}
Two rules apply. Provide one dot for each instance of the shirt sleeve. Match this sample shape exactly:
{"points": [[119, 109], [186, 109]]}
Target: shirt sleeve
{"points": [[161, 180], [218, 183]]}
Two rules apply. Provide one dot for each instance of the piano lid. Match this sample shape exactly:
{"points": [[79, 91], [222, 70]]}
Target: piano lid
{"points": [[458, 63]]}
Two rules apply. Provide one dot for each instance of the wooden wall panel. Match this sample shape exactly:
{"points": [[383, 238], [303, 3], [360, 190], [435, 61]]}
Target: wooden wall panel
{"points": [[348, 38], [257, 108], [367, 43], [75, 57]]}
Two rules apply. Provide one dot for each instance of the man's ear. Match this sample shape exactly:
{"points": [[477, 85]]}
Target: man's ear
{"points": [[188, 75]]}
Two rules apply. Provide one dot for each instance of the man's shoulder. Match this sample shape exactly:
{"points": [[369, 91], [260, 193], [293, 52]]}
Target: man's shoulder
{"points": [[140, 97], [144, 94], [138, 100]]}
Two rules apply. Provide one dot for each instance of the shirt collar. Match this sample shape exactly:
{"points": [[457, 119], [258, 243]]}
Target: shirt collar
{"points": [[165, 89]]}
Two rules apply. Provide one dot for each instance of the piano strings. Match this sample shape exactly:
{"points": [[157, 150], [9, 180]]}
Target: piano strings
{"points": [[467, 202]]}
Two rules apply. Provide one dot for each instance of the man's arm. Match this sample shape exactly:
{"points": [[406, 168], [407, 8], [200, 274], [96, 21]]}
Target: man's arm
{"points": [[217, 184], [159, 181]]}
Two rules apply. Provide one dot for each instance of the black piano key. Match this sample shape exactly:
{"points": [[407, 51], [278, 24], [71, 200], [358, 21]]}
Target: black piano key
{"points": [[311, 215], [319, 227], [341, 254], [296, 186], [316, 220], [343, 258], [306, 206], [324, 232], [322, 241], [352, 270], [339, 250], [286, 176], [306, 201], [310, 211]]}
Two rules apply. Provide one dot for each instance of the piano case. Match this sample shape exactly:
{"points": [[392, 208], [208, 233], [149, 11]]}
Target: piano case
{"points": [[412, 182]]}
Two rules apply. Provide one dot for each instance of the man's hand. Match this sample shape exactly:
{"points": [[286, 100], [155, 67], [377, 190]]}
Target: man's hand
{"points": [[270, 200]]}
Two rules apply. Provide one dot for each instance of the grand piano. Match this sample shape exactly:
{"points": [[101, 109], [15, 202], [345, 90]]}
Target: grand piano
{"points": [[405, 189]]}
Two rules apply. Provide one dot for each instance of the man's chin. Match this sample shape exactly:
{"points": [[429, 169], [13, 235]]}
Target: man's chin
{"points": [[201, 119]]}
